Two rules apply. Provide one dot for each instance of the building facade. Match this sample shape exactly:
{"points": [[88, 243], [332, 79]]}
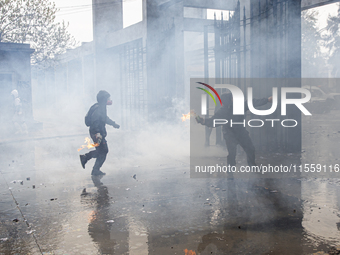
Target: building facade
{"points": [[15, 73]]}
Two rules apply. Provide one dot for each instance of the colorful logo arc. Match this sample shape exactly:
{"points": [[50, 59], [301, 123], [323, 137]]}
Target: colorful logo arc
{"points": [[207, 91]]}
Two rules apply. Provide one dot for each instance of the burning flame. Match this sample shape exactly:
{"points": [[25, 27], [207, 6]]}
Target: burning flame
{"points": [[92, 216], [187, 116], [88, 144], [189, 252]]}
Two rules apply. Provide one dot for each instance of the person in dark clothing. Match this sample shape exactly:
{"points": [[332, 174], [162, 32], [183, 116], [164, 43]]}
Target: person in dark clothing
{"points": [[97, 120], [236, 134]]}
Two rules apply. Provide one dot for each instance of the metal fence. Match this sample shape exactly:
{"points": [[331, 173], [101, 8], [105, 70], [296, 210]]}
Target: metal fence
{"points": [[263, 41], [133, 83]]}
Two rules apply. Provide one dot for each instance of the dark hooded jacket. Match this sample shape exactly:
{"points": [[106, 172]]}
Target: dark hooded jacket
{"points": [[226, 112], [99, 117]]}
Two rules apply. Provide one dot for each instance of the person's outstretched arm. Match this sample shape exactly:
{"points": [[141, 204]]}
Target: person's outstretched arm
{"points": [[222, 113], [111, 123]]}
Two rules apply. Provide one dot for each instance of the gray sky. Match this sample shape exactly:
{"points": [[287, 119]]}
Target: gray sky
{"points": [[324, 11], [79, 15]]}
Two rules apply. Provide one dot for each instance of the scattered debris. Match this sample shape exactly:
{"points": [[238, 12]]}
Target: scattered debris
{"points": [[84, 193], [334, 251], [20, 181]]}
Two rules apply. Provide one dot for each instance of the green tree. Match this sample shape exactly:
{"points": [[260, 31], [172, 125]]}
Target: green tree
{"points": [[333, 42], [33, 21], [313, 60]]}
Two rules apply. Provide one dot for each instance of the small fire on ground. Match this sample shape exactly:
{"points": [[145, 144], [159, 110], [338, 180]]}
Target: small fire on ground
{"points": [[189, 252], [187, 116], [88, 144]]}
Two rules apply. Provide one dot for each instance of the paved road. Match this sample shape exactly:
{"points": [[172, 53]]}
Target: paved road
{"points": [[59, 209]]}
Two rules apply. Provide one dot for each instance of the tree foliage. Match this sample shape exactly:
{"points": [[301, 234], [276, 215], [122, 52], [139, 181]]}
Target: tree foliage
{"points": [[313, 60], [33, 21], [333, 42]]}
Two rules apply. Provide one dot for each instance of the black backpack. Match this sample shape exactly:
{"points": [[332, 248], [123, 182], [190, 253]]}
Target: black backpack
{"points": [[88, 117]]}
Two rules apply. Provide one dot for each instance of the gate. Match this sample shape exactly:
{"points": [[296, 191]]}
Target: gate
{"points": [[133, 90], [262, 42]]}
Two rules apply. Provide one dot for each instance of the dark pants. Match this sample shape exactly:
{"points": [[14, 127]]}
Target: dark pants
{"points": [[100, 154], [241, 137]]}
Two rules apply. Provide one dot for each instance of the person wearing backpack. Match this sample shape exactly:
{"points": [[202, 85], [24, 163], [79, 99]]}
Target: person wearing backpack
{"points": [[96, 119]]}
